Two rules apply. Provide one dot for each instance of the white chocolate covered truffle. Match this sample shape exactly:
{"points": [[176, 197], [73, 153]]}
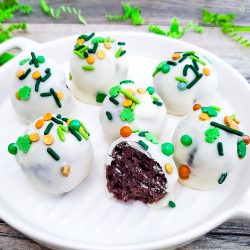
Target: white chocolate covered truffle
{"points": [[97, 63], [139, 168], [183, 80], [208, 146], [39, 86], [55, 153], [129, 104]]}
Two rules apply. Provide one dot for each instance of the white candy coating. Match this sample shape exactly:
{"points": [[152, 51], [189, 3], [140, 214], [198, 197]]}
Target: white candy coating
{"points": [[205, 163], [147, 115], [107, 72], [180, 102], [28, 110], [154, 152], [45, 172]]}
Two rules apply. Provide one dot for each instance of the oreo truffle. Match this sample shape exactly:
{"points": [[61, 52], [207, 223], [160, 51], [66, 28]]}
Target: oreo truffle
{"points": [[139, 168]]}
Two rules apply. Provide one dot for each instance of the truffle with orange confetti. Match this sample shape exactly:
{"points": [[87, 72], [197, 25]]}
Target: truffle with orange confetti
{"points": [[184, 79], [97, 63], [140, 168], [39, 85], [209, 144], [132, 105], [55, 153]]}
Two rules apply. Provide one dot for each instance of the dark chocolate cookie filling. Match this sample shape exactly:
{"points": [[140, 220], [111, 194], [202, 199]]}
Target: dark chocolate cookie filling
{"points": [[132, 175]]}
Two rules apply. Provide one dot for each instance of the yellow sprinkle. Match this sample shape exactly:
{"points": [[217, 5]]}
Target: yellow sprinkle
{"points": [[176, 56], [47, 117], [17, 96], [36, 75], [39, 123], [107, 45], [141, 91], [80, 41], [206, 71], [65, 170], [204, 117], [169, 168], [34, 137], [60, 95], [127, 103], [100, 54], [90, 59], [48, 139], [237, 120], [19, 73]]}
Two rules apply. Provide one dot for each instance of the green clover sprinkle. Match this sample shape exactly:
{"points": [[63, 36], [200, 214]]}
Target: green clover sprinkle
{"points": [[127, 115], [210, 111], [241, 149], [150, 137], [12, 149], [24, 92], [212, 134], [167, 148], [100, 97], [23, 143], [222, 178], [114, 91], [23, 61]]}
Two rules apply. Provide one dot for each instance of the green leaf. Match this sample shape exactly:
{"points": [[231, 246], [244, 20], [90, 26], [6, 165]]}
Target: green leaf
{"points": [[212, 134], [127, 115]]}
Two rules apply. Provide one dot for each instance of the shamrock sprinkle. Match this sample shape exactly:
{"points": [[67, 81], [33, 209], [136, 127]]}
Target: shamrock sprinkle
{"points": [[23, 143], [24, 92], [150, 137], [115, 91], [241, 149], [210, 111], [127, 115], [212, 134]]}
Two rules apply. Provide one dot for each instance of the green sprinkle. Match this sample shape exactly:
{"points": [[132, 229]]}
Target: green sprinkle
{"points": [[40, 59], [150, 137], [157, 103], [24, 92], [60, 134], [241, 149], [155, 98], [129, 96], [75, 124], [100, 97], [222, 178], [56, 120], [70, 76], [123, 53], [59, 116], [126, 82], [113, 100], [76, 134], [197, 60], [167, 148], [114, 91], [89, 37], [150, 90], [34, 60], [47, 76], [97, 40], [118, 53], [220, 148], [83, 134], [186, 140], [109, 115], [84, 128], [211, 134], [181, 79], [210, 111], [171, 204], [58, 103], [23, 143], [127, 115], [191, 84], [143, 145], [23, 61], [52, 153], [225, 128], [143, 133], [171, 63], [12, 149], [79, 54], [48, 128], [37, 85], [63, 128], [25, 74], [88, 67], [216, 108], [121, 43], [45, 94]]}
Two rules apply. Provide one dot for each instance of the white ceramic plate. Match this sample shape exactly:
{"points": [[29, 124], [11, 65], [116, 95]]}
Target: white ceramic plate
{"points": [[86, 218]]}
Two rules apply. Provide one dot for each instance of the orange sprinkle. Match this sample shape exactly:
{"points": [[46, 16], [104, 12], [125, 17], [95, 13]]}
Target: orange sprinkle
{"points": [[204, 116], [107, 45], [206, 71], [169, 168], [176, 56], [36, 75], [48, 139], [65, 170], [236, 120], [100, 54], [246, 139], [19, 73], [131, 92], [80, 41], [141, 91], [39, 123], [34, 137], [196, 106], [127, 103], [125, 131], [90, 59], [17, 96], [47, 117], [184, 172], [60, 95], [234, 126]]}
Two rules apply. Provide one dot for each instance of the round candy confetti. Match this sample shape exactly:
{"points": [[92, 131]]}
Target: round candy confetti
{"points": [[167, 148], [36, 75], [181, 86], [246, 139], [165, 68], [47, 117], [176, 56], [90, 59], [60, 95], [34, 137], [169, 168], [150, 90], [75, 124], [141, 91], [40, 59], [184, 172], [196, 106], [127, 103], [100, 54], [12, 149], [186, 140], [125, 131], [39, 123], [206, 71], [48, 139]]}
